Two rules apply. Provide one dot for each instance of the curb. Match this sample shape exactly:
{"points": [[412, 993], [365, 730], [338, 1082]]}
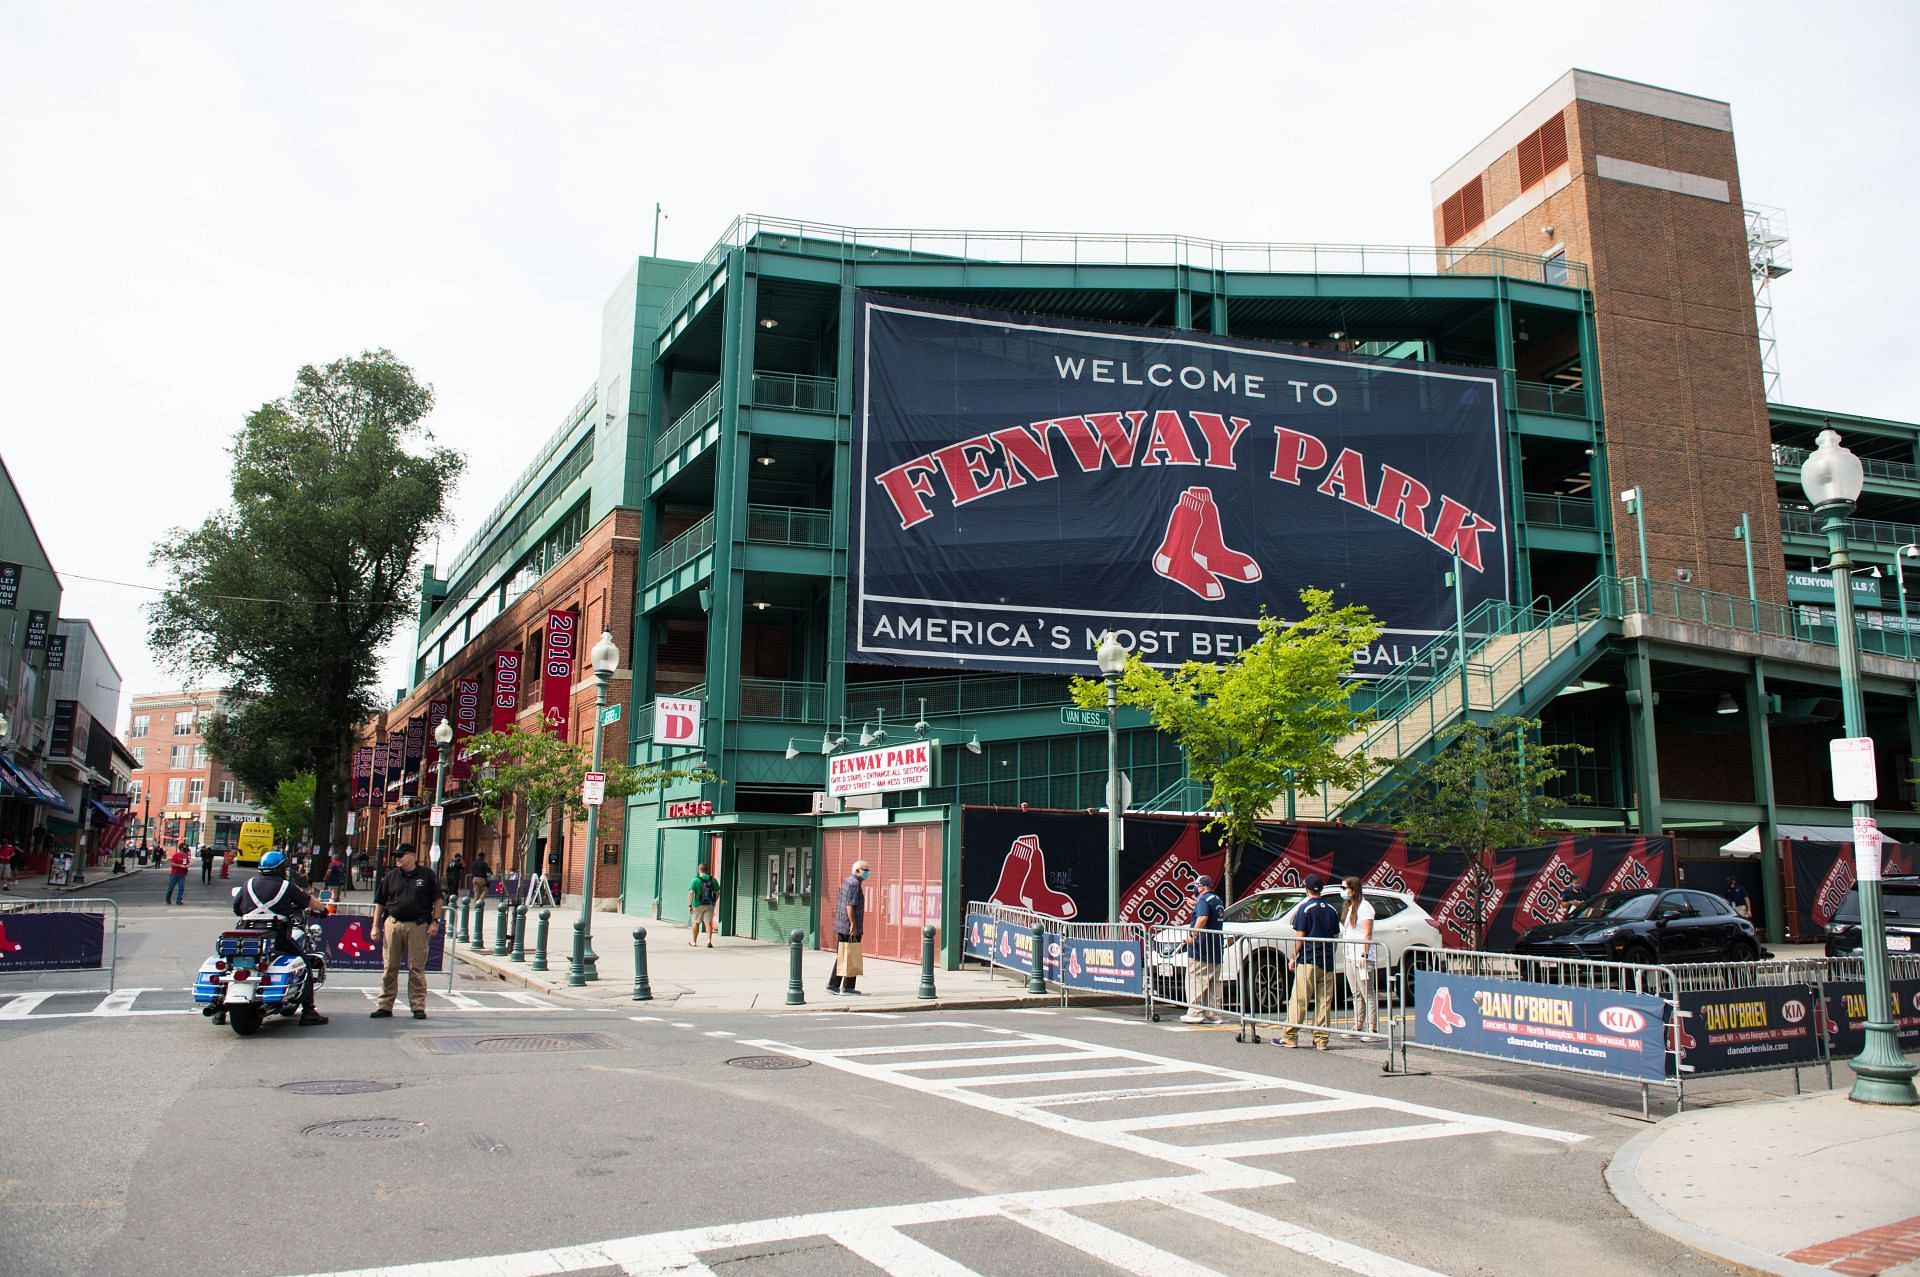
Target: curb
{"points": [[1623, 1180]]}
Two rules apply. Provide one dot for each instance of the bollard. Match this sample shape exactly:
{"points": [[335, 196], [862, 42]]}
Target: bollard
{"points": [[540, 942], [642, 987], [589, 960], [926, 963], [500, 929], [479, 924], [576, 966], [519, 953], [796, 990], [1037, 978], [466, 909]]}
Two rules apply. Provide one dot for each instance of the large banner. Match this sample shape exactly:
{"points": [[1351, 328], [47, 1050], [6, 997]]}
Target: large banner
{"points": [[556, 673], [506, 689], [416, 749], [1847, 1016], [1592, 1030], [1760, 1027], [1055, 863], [1022, 485], [436, 715], [362, 776], [1821, 874], [466, 721], [52, 941]]}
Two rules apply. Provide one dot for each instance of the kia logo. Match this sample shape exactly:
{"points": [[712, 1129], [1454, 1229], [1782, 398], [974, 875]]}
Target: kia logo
{"points": [[1793, 1012], [1126, 957], [1623, 1019]]}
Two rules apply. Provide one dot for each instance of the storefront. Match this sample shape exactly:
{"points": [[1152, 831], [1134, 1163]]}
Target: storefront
{"points": [[908, 853]]}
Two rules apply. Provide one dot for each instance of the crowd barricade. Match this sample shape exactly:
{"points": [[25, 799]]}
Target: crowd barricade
{"points": [[349, 943], [1089, 957], [43, 938]]}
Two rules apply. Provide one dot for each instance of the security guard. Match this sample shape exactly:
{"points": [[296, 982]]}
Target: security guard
{"points": [[269, 890]]}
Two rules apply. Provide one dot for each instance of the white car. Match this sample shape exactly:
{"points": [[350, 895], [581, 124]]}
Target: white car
{"points": [[1400, 926]]}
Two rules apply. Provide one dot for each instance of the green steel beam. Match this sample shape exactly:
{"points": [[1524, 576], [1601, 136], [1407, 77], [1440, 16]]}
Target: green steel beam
{"points": [[1760, 751]]}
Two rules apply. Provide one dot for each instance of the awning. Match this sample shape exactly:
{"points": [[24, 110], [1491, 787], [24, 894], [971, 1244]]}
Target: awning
{"points": [[1748, 844], [103, 815], [41, 789]]}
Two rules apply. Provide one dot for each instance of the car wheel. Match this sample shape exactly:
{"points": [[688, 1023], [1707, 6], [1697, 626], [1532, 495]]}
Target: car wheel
{"points": [[1639, 955], [1265, 983], [1745, 951]]}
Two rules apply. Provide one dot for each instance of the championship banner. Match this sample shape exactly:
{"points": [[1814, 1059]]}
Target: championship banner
{"points": [[1022, 485], [556, 673], [506, 689], [377, 787], [9, 586], [56, 653], [1822, 873], [415, 749], [362, 775], [37, 623], [466, 721], [436, 715]]}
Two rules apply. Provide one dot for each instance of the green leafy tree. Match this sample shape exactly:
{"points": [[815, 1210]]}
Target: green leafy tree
{"points": [[543, 774], [290, 810], [289, 594], [1484, 788], [1269, 719]]}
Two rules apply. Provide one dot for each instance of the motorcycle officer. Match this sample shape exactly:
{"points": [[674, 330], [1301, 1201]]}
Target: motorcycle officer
{"points": [[269, 890]]}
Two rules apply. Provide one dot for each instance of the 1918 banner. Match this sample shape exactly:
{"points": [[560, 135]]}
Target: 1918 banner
{"points": [[1023, 485]]}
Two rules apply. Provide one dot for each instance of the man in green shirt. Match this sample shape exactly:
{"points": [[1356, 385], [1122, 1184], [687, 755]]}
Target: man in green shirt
{"points": [[703, 893]]}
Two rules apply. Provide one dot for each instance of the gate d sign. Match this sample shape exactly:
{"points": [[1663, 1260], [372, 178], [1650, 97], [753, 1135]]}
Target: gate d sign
{"points": [[1853, 773], [676, 720]]}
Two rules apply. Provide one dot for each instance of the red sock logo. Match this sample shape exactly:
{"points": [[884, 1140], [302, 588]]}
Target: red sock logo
{"points": [[1175, 558], [1210, 550], [1023, 881], [6, 945], [354, 941], [1441, 1014]]}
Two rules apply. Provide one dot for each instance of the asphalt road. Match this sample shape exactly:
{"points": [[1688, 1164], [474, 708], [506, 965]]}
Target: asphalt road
{"points": [[146, 1142]]}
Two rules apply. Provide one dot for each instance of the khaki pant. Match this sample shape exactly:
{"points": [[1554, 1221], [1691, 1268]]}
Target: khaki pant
{"points": [[1203, 986], [408, 939], [1360, 985], [1315, 984]]}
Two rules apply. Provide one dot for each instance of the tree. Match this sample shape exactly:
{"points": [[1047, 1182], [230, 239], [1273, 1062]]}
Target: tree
{"points": [[1269, 719], [290, 810], [288, 595], [1484, 788], [540, 772]]}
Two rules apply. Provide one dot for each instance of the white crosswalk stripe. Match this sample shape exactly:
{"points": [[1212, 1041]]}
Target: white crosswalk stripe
{"points": [[132, 1003]]}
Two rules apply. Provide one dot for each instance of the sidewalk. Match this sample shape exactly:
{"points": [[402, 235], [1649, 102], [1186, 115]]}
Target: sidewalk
{"points": [[1811, 1184], [736, 974]]}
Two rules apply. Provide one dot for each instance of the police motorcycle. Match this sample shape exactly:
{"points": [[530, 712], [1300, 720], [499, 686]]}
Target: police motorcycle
{"points": [[263, 965]]}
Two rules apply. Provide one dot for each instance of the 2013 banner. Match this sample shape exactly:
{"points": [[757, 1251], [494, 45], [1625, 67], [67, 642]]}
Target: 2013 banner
{"points": [[506, 689], [1023, 485]]}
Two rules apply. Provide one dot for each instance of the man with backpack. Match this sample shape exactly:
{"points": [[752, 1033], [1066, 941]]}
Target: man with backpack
{"points": [[703, 893]]}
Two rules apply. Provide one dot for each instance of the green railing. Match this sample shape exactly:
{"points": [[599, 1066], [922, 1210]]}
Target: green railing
{"points": [[1793, 458], [681, 550], [1549, 400], [1872, 532], [790, 525], [900, 699], [793, 391], [687, 424], [1548, 510], [783, 700]]}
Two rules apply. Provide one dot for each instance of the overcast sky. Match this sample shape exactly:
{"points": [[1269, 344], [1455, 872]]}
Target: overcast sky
{"points": [[199, 198]]}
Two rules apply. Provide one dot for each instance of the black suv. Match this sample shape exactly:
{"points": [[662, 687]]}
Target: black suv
{"points": [[1899, 905], [1649, 926]]}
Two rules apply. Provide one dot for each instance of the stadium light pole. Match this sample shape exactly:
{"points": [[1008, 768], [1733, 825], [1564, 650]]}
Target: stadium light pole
{"points": [[443, 737], [1744, 535], [1832, 478], [606, 659], [1112, 657]]}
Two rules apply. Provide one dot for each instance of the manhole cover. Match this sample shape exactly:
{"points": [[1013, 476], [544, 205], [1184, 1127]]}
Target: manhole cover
{"points": [[336, 1088], [367, 1128], [524, 1043], [767, 1062]]}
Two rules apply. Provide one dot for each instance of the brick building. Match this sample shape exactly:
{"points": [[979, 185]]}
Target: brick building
{"points": [[179, 792]]}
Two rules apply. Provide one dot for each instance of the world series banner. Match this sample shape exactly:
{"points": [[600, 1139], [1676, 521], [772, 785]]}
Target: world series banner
{"points": [[1822, 875], [466, 720], [1022, 485], [416, 749], [436, 715], [506, 689], [556, 673], [362, 775]]}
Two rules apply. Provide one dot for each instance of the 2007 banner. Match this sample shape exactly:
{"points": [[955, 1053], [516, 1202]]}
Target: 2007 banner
{"points": [[1025, 484]]}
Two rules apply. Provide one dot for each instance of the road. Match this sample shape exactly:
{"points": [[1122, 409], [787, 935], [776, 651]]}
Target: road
{"points": [[520, 1135]]}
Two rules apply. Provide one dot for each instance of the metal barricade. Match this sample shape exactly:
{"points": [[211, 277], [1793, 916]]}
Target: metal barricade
{"points": [[349, 946], [42, 940], [1097, 957]]}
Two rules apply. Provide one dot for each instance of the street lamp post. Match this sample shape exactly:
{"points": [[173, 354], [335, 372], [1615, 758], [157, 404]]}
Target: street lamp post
{"points": [[606, 659], [1112, 656], [1744, 535], [443, 737], [1832, 478]]}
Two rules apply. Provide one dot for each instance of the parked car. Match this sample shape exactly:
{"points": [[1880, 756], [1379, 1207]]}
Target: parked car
{"points": [[1899, 905], [1646, 926], [1253, 951]]}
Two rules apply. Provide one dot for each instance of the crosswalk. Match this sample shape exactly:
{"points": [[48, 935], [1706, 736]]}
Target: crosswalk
{"points": [[58, 1004]]}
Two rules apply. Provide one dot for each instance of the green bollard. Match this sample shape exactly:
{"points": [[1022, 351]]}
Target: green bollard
{"points": [[796, 990], [466, 908], [519, 953], [500, 929], [576, 966], [479, 924], [1037, 978], [642, 987], [540, 942], [926, 964]]}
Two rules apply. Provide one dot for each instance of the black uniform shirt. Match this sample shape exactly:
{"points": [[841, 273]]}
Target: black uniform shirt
{"points": [[407, 894], [263, 887]]}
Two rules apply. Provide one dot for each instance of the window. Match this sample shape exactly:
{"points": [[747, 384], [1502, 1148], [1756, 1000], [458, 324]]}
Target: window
{"points": [[196, 791], [1462, 212], [133, 790], [139, 755], [226, 791], [199, 757], [1707, 906], [1554, 269], [176, 790], [177, 756], [183, 723], [1384, 906], [139, 727]]}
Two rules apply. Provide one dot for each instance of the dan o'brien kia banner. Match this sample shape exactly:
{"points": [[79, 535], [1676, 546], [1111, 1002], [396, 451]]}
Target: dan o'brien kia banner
{"points": [[1024, 484], [1592, 1030]]}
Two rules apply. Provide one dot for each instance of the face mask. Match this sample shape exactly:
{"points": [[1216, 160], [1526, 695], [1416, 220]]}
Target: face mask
{"points": [[863, 875]]}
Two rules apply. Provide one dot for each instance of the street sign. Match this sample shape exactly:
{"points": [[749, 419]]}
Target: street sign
{"points": [[594, 791], [1853, 773], [437, 816], [1073, 716], [611, 714], [1866, 849]]}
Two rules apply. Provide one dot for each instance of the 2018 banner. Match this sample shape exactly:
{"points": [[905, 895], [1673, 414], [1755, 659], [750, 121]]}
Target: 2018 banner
{"points": [[1023, 485], [556, 673]]}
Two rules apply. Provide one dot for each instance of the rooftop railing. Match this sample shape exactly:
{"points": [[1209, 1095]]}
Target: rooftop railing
{"points": [[1873, 532], [687, 424], [514, 491], [1549, 400], [794, 391], [1785, 455]]}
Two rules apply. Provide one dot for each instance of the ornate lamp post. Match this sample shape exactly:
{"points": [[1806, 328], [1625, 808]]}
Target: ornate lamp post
{"points": [[443, 737], [1112, 656], [1832, 478], [606, 659]]}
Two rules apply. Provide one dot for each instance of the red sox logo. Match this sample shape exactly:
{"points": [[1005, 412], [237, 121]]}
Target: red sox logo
{"points": [[1194, 553], [1023, 881]]}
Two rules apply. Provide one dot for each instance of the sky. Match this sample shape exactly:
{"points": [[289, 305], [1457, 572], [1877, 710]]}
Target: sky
{"points": [[201, 198]]}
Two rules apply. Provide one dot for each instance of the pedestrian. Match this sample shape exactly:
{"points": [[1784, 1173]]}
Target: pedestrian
{"points": [[407, 899], [363, 869], [849, 921], [1203, 954], [477, 880], [227, 863], [1315, 923], [177, 865], [1356, 952], [337, 874], [8, 854], [1737, 897], [456, 875], [206, 864], [703, 893]]}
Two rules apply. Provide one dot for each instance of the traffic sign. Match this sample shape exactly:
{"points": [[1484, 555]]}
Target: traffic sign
{"points": [[610, 714], [594, 791], [1074, 716], [437, 816], [1854, 780]]}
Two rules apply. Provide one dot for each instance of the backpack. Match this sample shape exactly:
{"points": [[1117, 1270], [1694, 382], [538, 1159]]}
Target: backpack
{"points": [[708, 891]]}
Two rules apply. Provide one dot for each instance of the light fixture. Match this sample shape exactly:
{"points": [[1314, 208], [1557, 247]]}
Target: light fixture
{"points": [[1546, 230], [1831, 473], [443, 733], [973, 745], [761, 605], [828, 742], [921, 728], [876, 731], [792, 751], [1727, 704], [769, 322], [764, 459], [1338, 334], [1111, 655], [605, 656]]}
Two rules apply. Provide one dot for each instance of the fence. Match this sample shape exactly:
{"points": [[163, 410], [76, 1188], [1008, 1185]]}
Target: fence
{"points": [[38, 937], [349, 943]]}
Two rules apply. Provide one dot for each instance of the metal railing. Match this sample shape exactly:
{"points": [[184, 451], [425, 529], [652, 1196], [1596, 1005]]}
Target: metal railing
{"points": [[782, 700], [107, 910], [1859, 531], [682, 550], [795, 391], [540, 459], [687, 424], [790, 525], [1046, 248], [1550, 400], [1545, 509], [1789, 457], [900, 699]]}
